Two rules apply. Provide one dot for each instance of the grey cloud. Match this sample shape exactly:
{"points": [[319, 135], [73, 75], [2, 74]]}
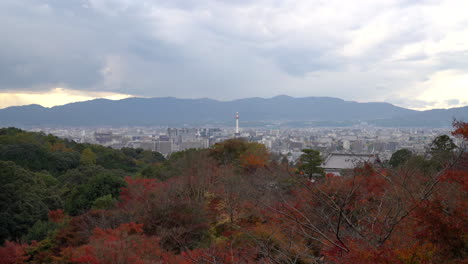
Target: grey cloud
{"points": [[416, 57], [39, 48], [66, 43], [453, 60], [453, 102], [202, 48], [298, 62]]}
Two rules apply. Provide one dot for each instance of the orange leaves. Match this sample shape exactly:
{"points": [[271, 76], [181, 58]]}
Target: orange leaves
{"points": [[256, 156], [252, 161], [461, 129], [249, 155]]}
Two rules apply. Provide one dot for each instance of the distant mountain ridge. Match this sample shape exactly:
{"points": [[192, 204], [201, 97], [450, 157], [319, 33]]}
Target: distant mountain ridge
{"points": [[174, 111]]}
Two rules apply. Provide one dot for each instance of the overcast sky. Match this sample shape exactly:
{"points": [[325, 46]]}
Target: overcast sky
{"points": [[411, 53]]}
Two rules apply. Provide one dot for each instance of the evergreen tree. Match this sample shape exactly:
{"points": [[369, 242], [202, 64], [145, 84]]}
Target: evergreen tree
{"points": [[309, 164]]}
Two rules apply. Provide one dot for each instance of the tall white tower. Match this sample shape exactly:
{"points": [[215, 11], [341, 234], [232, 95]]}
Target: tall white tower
{"points": [[237, 124]]}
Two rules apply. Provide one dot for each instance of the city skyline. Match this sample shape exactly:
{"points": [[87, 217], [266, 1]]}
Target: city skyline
{"points": [[290, 142]]}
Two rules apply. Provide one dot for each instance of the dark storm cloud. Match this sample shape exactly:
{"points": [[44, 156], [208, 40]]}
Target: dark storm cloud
{"points": [[38, 47], [69, 42]]}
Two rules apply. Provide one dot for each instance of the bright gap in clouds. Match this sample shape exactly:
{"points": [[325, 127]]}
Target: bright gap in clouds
{"points": [[442, 87], [54, 97]]}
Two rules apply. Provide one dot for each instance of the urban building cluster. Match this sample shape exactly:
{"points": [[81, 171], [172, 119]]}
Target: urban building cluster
{"points": [[285, 141]]}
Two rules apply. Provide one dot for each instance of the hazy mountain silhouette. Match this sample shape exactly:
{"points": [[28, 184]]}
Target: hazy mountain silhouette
{"points": [[174, 111]]}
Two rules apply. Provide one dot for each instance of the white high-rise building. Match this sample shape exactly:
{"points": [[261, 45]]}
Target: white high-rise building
{"points": [[237, 133]]}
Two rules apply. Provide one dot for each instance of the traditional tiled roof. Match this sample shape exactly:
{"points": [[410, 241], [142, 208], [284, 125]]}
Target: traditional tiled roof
{"points": [[347, 161]]}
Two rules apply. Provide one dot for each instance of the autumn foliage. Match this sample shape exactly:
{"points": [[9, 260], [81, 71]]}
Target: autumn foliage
{"points": [[233, 203], [56, 215], [124, 244], [461, 129], [13, 253]]}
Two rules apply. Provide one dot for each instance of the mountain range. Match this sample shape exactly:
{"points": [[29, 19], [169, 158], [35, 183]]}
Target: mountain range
{"points": [[285, 110]]}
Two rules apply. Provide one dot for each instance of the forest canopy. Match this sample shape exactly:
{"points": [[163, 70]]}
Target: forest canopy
{"points": [[64, 202]]}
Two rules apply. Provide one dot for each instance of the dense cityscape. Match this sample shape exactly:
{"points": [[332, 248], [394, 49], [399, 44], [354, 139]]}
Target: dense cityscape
{"points": [[286, 141]]}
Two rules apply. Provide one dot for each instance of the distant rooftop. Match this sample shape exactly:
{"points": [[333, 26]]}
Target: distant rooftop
{"points": [[347, 161]]}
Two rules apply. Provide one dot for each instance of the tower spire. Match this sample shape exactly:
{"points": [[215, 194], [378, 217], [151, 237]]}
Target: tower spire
{"points": [[237, 125]]}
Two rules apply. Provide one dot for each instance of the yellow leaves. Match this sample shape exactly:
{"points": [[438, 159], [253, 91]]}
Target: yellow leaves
{"points": [[88, 157]]}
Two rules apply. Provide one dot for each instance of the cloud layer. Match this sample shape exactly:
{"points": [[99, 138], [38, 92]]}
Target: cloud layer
{"points": [[410, 53]]}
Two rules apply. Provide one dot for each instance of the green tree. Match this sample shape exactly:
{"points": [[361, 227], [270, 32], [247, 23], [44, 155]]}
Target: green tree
{"points": [[229, 151], [400, 157], [22, 200], [88, 157], [83, 196], [144, 156], [442, 144], [40, 230], [114, 159], [162, 171], [240, 153], [82, 174], [309, 164], [441, 150], [103, 203]]}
